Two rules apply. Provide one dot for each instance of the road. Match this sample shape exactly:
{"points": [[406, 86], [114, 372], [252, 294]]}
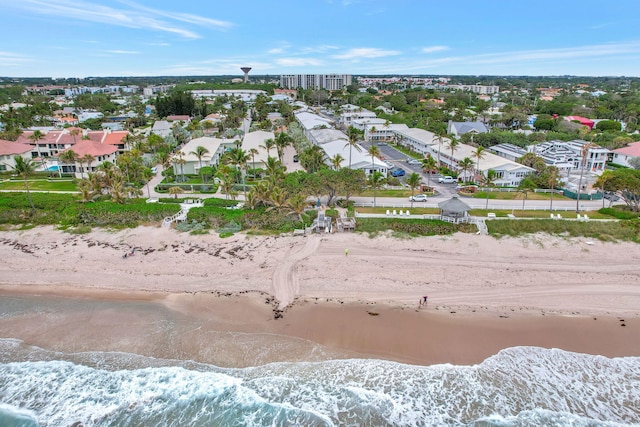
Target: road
{"points": [[446, 191]]}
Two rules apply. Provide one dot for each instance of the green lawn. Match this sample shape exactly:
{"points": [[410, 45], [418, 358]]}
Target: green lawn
{"points": [[602, 230], [514, 195], [416, 210], [387, 193], [535, 214], [39, 185]]}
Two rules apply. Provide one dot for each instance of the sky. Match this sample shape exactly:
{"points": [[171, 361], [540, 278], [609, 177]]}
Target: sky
{"points": [[82, 38]]}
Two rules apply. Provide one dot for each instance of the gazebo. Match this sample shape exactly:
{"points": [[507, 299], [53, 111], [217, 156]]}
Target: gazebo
{"points": [[454, 210]]}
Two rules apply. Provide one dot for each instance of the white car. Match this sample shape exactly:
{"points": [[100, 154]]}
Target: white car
{"points": [[414, 162], [447, 180], [418, 198]]}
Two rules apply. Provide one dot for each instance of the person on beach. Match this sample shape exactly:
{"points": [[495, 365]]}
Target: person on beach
{"points": [[346, 252], [424, 300]]}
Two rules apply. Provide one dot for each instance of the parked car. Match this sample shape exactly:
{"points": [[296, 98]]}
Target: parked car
{"points": [[414, 162], [418, 198], [396, 172], [447, 180], [154, 170], [296, 158]]}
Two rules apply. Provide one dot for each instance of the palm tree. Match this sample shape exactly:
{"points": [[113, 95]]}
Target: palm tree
{"points": [[68, 157], [175, 191], [200, 152], [372, 131], [353, 135], [479, 154], [86, 190], [373, 151], [239, 158], [453, 146], [179, 160], [525, 186], [488, 182], [74, 132], [552, 184], [583, 162], [298, 204], [88, 159], [253, 152], [268, 145], [274, 170], [25, 167], [440, 137], [336, 161], [35, 137], [375, 181], [601, 183], [282, 141], [313, 158], [413, 181], [428, 165], [465, 165]]}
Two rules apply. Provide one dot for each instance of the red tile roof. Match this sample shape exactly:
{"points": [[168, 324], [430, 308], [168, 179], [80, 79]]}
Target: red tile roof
{"points": [[632, 150], [96, 135], [115, 138], [178, 118], [94, 148], [8, 148]]}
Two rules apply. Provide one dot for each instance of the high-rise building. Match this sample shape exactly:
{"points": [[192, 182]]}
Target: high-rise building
{"points": [[315, 81]]}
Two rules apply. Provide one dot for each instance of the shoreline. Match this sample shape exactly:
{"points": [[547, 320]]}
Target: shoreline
{"points": [[239, 330], [219, 301]]}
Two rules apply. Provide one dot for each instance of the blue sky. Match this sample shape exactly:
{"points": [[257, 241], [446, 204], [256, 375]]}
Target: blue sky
{"points": [[80, 38]]}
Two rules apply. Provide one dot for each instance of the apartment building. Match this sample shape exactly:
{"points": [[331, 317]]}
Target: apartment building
{"points": [[315, 81]]}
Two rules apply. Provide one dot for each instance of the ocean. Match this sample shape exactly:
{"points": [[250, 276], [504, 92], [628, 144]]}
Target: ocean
{"points": [[520, 386]]}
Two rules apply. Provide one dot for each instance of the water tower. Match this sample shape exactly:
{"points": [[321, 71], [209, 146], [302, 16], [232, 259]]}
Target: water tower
{"points": [[246, 73]]}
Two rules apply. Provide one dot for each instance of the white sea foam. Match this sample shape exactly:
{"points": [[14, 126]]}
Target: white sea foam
{"points": [[517, 387]]}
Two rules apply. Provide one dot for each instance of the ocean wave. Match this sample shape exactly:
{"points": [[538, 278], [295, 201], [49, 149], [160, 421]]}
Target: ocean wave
{"points": [[517, 387]]}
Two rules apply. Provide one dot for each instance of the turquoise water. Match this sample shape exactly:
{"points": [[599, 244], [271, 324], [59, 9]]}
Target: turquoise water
{"points": [[521, 386]]}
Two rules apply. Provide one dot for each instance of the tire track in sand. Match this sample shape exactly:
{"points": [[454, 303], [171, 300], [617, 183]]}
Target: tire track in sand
{"points": [[285, 282]]}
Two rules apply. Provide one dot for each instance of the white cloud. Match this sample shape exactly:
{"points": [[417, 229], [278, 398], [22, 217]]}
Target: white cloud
{"points": [[9, 59], [124, 52], [133, 16], [432, 49], [366, 52], [318, 49], [299, 62]]}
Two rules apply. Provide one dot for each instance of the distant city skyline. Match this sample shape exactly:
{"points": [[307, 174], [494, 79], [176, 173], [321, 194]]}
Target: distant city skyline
{"points": [[363, 37]]}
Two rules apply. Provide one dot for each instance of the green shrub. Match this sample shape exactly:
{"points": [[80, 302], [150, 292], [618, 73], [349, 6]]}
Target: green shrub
{"points": [[416, 227], [620, 212]]}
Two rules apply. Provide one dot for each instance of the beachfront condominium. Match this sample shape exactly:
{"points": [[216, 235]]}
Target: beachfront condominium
{"points": [[315, 81]]}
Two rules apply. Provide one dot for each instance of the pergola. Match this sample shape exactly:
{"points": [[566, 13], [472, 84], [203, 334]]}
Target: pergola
{"points": [[454, 210]]}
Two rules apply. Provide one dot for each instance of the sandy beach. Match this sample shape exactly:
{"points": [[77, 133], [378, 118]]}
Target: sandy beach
{"points": [[248, 300]]}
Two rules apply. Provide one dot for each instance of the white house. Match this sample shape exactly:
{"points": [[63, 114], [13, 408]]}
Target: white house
{"points": [[360, 159], [215, 147], [9, 150], [621, 156], [161, 128], [256, 140]]}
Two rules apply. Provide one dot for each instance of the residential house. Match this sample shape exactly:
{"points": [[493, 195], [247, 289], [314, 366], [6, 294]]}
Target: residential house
{"points": [[256, 140], [161, 128], [570, 153], [508, 173], [179, 118], [9, 150], [98, 151], [216, 147], [623, 155], [458, 129], [360, 159]]}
